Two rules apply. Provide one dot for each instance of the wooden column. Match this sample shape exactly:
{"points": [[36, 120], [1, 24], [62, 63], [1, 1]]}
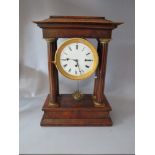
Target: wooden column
{"points": [[96, 73], [101, 72], [52, 72]]}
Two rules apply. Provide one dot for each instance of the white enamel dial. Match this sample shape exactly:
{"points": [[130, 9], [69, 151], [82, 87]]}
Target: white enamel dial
{"points": [[76, 59]]}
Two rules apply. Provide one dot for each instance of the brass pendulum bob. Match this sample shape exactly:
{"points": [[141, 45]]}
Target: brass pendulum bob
{"points": [[77, 95]]}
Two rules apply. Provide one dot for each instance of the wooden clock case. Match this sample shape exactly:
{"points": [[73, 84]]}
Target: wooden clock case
{"points": [[61, 109]]}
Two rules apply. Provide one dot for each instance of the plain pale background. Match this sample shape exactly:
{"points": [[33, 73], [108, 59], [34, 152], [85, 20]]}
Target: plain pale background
{"points": [[119, 80]]}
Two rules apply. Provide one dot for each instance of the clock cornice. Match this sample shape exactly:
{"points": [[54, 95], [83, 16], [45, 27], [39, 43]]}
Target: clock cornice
{"points": [[77, 26], [77, 22]]}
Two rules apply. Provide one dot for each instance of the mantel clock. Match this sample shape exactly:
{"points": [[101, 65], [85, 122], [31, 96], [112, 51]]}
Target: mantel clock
{"points": [[77, 59]]}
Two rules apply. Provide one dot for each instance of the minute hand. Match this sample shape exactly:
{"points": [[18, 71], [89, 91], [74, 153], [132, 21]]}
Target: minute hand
{"points": [[78, 66]]}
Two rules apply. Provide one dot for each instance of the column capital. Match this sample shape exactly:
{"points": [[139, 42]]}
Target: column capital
{"points": [[104, 40], [50, 40]]}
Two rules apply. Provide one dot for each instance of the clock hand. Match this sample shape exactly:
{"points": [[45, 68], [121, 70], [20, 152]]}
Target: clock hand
{"points": [[69, 59], [78, 66], [73, 60]]}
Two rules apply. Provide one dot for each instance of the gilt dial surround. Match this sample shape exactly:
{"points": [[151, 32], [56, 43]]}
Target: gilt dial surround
{"points": [[76, 59]]}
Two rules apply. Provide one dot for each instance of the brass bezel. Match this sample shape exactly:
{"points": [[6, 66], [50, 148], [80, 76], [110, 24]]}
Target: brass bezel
{"points": [[60, 68]]}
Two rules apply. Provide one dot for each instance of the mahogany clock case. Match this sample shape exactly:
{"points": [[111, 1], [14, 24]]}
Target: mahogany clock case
{"points": [[61, 109]]}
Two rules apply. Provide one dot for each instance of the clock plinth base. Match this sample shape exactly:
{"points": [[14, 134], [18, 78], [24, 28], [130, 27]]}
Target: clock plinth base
{"points": [[76, 113]]}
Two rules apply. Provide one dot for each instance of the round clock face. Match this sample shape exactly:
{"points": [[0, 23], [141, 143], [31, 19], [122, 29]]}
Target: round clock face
{"points": [[76, 59]]}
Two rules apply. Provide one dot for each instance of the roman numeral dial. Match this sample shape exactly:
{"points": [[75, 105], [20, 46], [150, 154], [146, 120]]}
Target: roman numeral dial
{"points": [[76, 59]]}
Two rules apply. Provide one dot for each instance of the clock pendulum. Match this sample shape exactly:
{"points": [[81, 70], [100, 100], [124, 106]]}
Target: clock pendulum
{"points": [[77, 95], [77, 59]]}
